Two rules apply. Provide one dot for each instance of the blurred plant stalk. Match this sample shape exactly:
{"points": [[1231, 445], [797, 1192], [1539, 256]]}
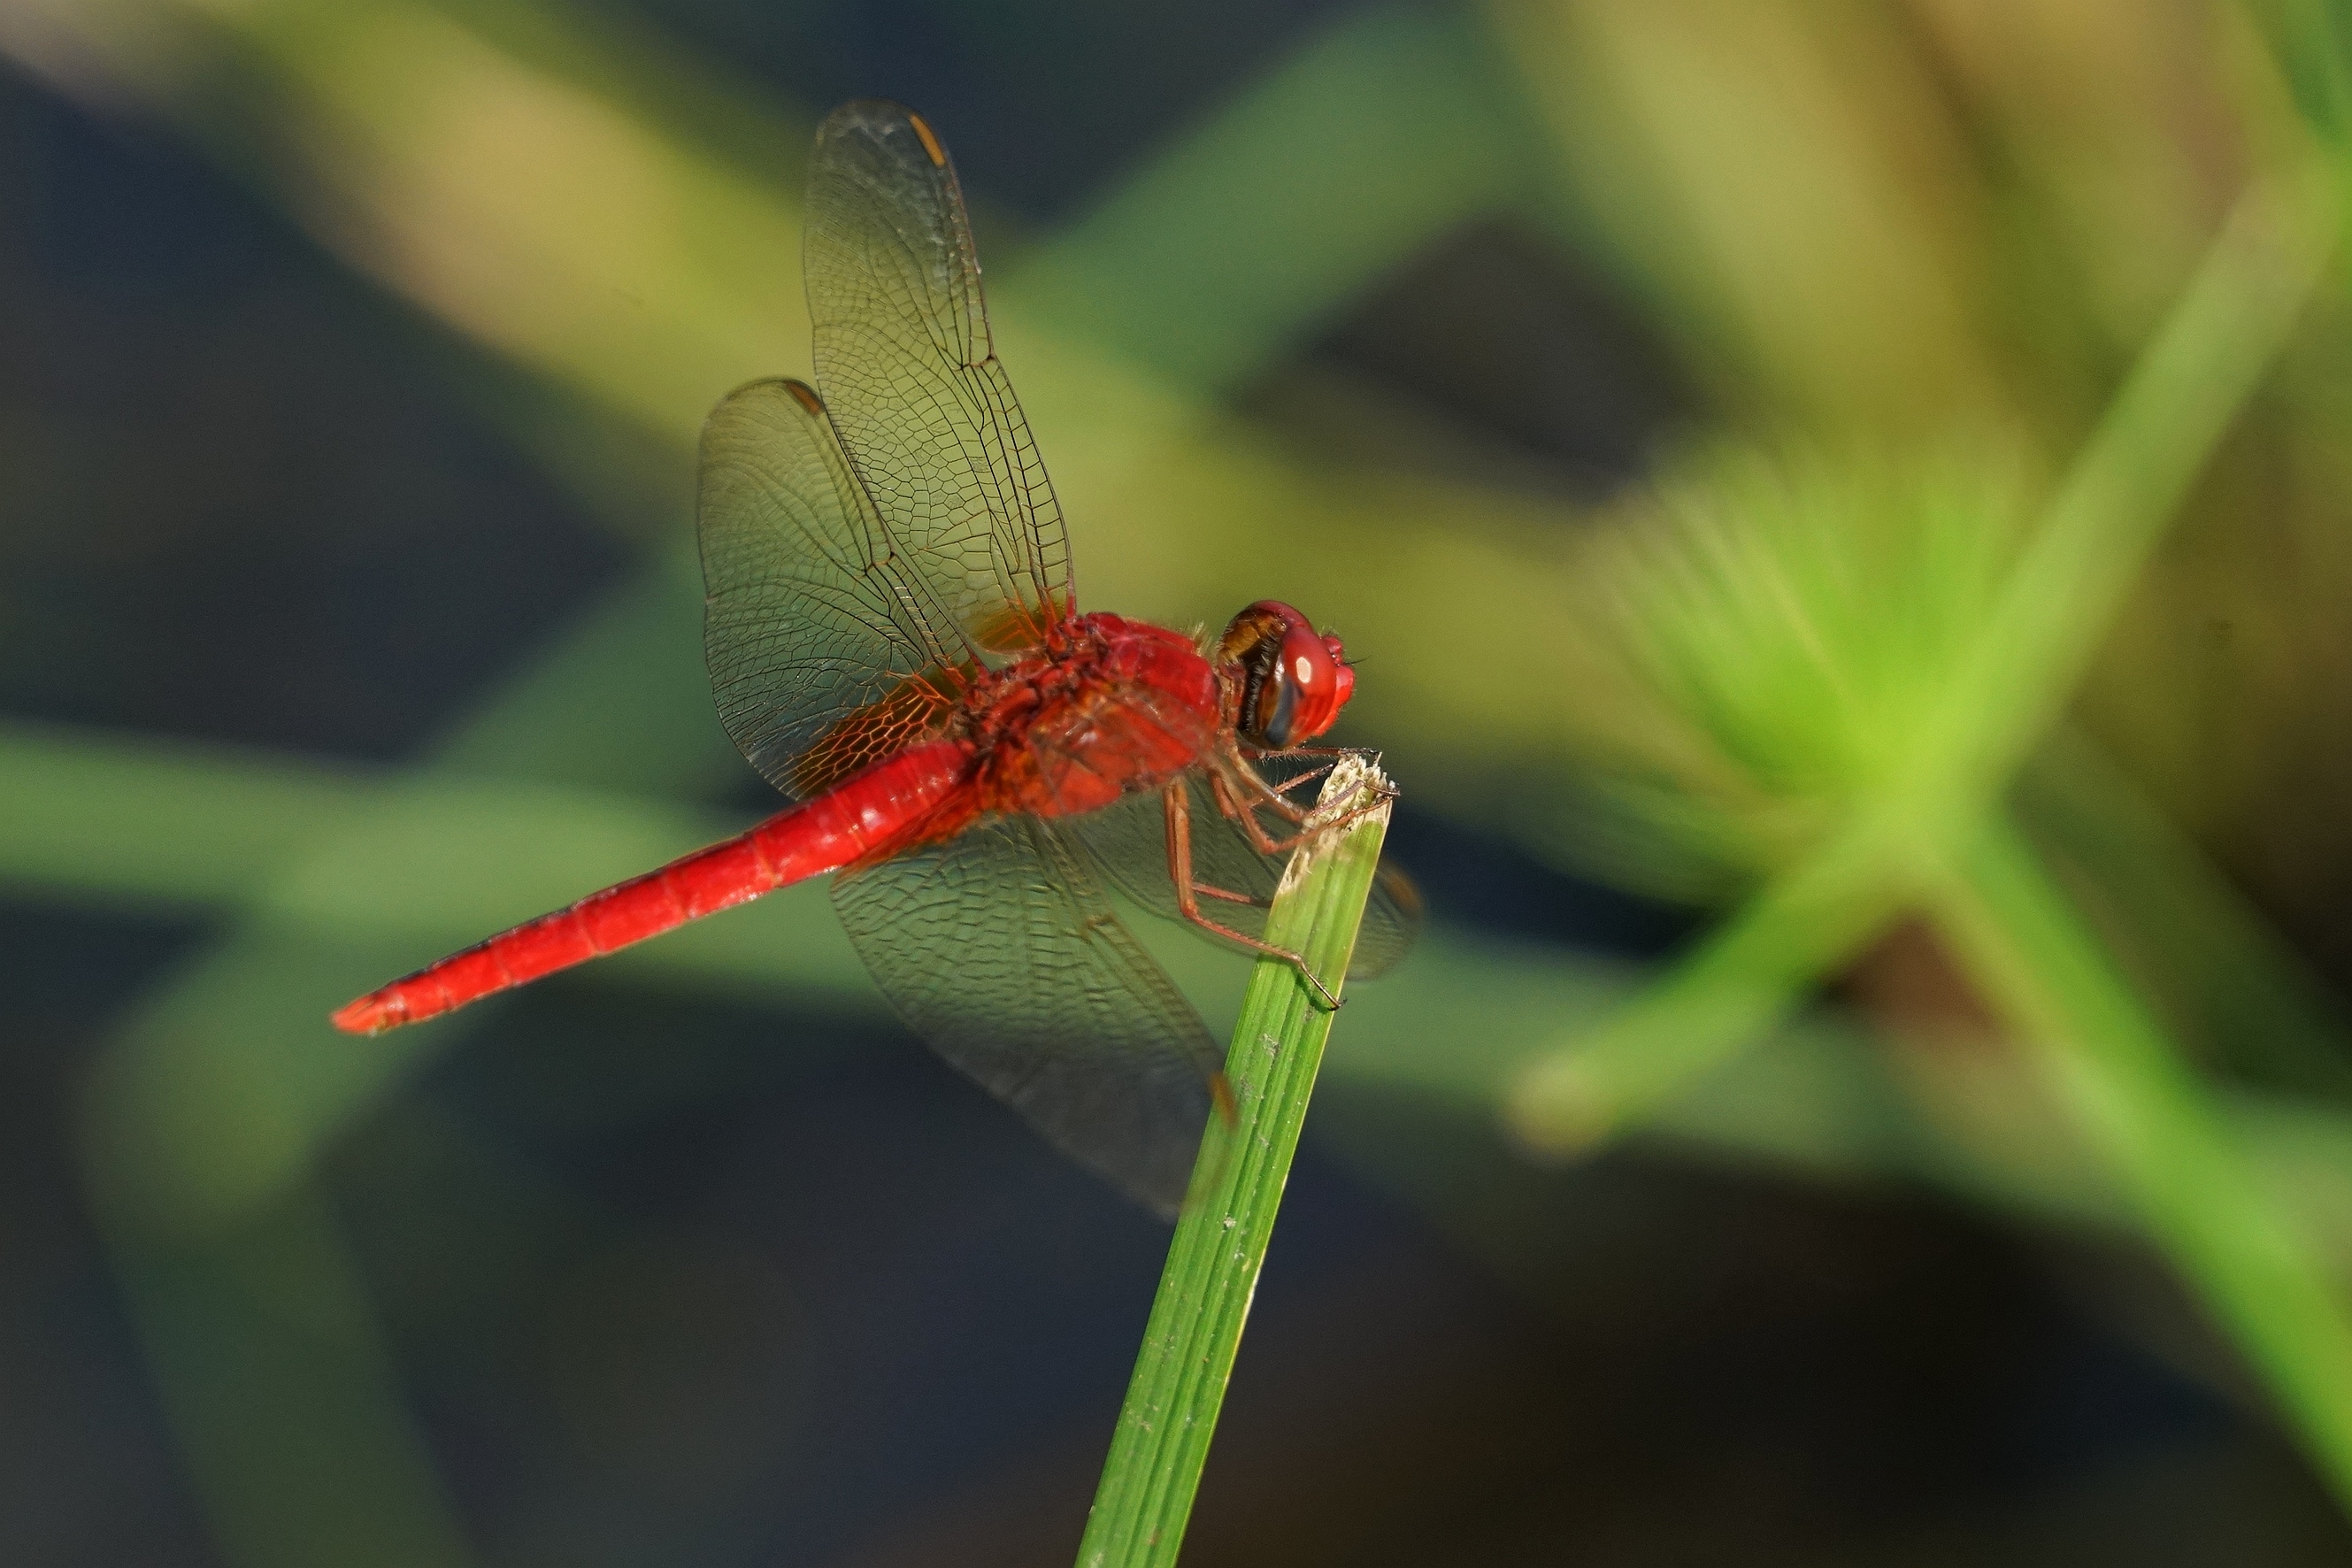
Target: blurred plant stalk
{"points": [[1930, 830], [2136, 1100], [150, 825]]}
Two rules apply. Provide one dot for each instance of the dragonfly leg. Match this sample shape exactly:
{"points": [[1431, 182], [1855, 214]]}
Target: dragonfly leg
{"points": [[1276, 797], [1268, 798], [1265, 844], [1309, 776], [1231, 806], [1271, 798], [1179, 816], [1244, 816]]}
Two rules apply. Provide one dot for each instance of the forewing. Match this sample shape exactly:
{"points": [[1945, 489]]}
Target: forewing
{"points": [[1130, 842], [904, 360], [1000, 949], [807, 620]]}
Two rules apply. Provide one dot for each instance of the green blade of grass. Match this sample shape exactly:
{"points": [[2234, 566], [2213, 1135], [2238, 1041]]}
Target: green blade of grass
{"points": [[1162, 1438], [2109, 1063]]}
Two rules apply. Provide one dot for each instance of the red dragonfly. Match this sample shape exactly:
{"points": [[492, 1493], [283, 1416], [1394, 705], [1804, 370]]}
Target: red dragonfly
{"points": [[895, 641]]}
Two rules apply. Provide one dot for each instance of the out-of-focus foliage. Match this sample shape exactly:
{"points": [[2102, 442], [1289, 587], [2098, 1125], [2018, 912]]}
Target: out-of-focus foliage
{"points": [[1760, 641]]}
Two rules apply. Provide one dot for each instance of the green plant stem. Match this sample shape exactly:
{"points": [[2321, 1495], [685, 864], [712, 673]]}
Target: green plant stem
{"points": [[2106, 1058], [1747, 974], [1162, 1438]]}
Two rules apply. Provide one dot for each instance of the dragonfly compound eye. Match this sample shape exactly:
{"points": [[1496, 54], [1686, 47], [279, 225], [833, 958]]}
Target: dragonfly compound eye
{"points": [[1293, 682]]}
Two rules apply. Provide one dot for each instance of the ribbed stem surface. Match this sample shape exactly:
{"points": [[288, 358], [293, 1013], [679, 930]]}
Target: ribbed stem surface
{"points": [[1162, 1438]]}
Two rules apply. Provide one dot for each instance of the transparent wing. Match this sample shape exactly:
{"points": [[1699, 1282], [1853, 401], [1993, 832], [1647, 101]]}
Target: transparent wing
{"points": [[1128, 841], [1001, 950], [817, 645], [904, 360]]}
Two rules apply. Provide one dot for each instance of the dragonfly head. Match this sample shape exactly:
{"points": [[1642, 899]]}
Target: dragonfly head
{"points": [[1292, 680]]}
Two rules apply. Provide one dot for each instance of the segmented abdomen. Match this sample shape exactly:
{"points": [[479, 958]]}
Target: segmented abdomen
{"points": [[867, 814]]}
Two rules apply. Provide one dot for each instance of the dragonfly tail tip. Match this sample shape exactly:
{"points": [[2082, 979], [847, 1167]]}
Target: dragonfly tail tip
{"points": [[371, 1015]]}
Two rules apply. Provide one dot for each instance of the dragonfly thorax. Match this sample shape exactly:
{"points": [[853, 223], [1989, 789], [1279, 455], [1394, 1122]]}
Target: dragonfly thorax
{"points": [[1120, 707]]}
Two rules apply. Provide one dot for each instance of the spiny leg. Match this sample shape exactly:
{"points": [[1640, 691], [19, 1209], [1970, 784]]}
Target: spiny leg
{"points": [[1246, 817], [1276, 797], [1178, 811], [1244, 813], [1230, 781], [1309, 776]]}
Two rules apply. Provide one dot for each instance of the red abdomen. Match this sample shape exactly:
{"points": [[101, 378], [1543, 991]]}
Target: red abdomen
{"points": [[867, 814]]}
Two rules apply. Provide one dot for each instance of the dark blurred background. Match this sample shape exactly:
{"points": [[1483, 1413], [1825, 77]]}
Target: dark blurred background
{"points": [[350, 357]]}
